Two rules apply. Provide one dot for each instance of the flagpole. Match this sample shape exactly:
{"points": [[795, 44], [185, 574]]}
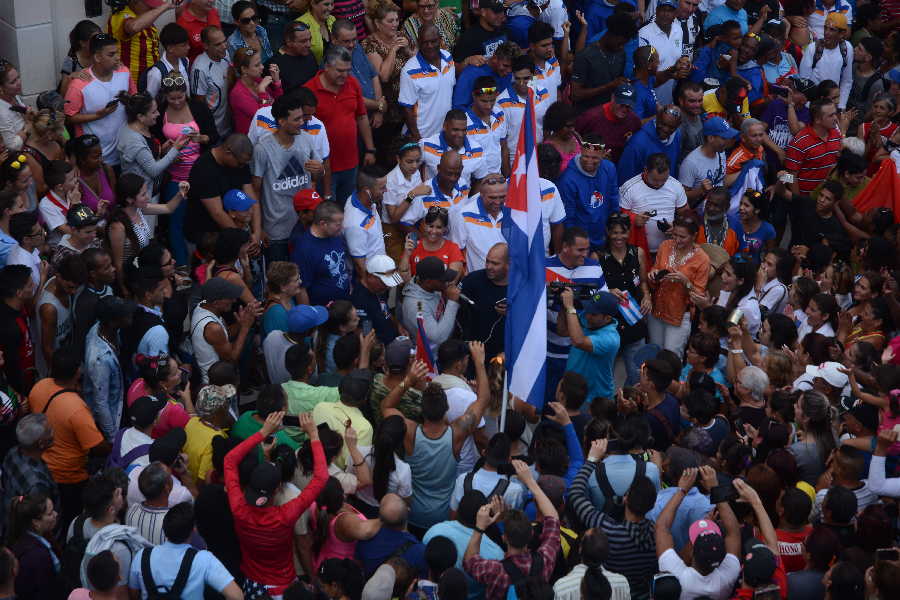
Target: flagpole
{"points": [[505, 401]]}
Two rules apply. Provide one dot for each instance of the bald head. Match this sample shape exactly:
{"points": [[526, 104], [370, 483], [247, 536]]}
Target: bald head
{"points": [[450, 167], [496, 263], [393, 511]]}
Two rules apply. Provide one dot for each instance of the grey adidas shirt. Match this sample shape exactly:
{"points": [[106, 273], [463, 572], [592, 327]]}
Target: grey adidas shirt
{"points": [[283, 176]]}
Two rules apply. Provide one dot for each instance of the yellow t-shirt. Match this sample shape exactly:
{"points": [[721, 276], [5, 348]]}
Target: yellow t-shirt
{"points": [[335, 415], [198, 447], [141, 50], [713, 108]]}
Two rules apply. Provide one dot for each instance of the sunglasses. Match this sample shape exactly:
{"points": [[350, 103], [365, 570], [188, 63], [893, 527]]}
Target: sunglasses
{"points": [[19, 163], [248, 20], [437, 210], [593, 147], [672, 111], [299, 27], [103, 37], [173, 81], [248, 51], [619, 219], [486, 90], [493, 180]]}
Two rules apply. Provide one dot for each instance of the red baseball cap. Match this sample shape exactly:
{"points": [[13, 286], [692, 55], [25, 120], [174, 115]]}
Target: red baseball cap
{"points": [[307, 199]]}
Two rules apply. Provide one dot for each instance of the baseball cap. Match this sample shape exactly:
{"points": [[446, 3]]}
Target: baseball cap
{"points": [[625, 94], [81, 215], [307, 199], [709, 545], [113, 308], [603, 303], [167, 448], [702, 527], [802, 84], [866, 414], [837, 20], [397, 353], [304, 317], [385, 269], [669, 3], [830, 372], [263, 482], [212, 398], [894, 75], [237, 200], [219, 289], [759, 565], [494, 5], [144, 410], [51, 99], [720, 127], [431, 268]]}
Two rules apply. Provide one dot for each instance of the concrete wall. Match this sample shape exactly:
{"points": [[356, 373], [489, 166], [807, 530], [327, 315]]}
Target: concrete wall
{"points": [[34, 35]]}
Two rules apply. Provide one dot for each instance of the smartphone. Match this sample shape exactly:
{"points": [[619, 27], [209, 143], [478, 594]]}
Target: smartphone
{"points": [[769, 592], [661, 273], [184, 378], [112, 103], [413, 237], [891, 554], [786, 178], [651, 213], [723, 493], [18, 109], [366, 326], [291, 421], [779, 91], [726, 56]]}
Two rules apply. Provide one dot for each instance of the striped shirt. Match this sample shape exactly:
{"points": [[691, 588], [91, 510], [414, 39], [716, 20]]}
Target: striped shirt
{"points": [[632, 546], [148, 520], [140, 50], [811, 157], [739, 156]]}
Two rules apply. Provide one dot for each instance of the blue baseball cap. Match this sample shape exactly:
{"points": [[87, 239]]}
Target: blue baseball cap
{"points": [[603, 303], [237, 200], [626, 94], [304, 317], [720, 127], [670, 3], [894, 75]]}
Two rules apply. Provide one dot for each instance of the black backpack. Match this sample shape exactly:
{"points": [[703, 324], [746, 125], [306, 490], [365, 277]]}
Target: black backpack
{"points": [[614, 505], [73, 553], [155, 592], [498, 490], [163, 71], [820, 49], [527, 587]]}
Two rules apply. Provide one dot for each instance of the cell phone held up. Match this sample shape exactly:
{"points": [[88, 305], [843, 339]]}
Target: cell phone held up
{"points": [[661, 274]]}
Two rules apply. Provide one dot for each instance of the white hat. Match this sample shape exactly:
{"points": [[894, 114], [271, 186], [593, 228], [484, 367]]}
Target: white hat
{"points": [[829, 371], [385, 269]]}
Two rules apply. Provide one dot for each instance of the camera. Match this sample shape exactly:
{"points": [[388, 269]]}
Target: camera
{"points": [[582, 291]]}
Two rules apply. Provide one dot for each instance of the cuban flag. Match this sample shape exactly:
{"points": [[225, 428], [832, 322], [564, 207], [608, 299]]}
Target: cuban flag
{"points": [[884, 189], [423, 346], [752, 177], [526, 317]]}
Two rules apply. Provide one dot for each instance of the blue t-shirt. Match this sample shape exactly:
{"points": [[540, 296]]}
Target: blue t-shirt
{"points": [[165, 560], [596, 366], [275, 319], [752, 243], [665, 422], [715, 374], [720, 14], [459, 534], [646, 97], [386, 542], [324, 267], [363, 71]]}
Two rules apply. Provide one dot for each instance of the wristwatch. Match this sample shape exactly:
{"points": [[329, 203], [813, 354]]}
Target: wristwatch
{"points": [[370, 150], [408, 199], [572, 311]]}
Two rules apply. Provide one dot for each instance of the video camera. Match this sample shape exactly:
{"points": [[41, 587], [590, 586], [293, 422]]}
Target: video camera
{"points": [[582, 291]]}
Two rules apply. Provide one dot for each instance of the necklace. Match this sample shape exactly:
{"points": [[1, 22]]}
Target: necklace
{"points": [[715, 234], [675, 262]]}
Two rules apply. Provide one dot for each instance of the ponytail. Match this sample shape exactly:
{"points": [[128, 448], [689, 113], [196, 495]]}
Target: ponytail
{"points": [[595, 585]]}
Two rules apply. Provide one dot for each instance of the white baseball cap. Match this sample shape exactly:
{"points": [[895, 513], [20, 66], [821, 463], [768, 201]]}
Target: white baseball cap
{"points": [[830, 372], [385, 269]]}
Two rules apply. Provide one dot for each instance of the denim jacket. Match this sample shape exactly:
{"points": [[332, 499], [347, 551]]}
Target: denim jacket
{"points": [[104, 388]]}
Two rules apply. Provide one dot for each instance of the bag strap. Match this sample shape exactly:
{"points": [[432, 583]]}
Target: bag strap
{"points": [[516, 576], [664, 421], [401, 549], [134, 454], [640, 468], [146, 575], [55, 394], [183, 573], [603, 481], [78, 529], [537, 566]]}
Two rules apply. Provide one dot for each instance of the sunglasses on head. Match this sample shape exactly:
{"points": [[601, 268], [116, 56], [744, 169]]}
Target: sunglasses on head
{"points": [[672, 111], [437, 210], [592, 146], [620, 219], [299, 27], [485, 90], [248, 20], [173, 81], [493, 180]]}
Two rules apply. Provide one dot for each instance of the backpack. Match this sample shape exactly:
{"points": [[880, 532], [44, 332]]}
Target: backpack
{"points": [[105, 538], [72, 553], [155, 592], [117, 460], [163, 71], [498, 490], [614, 504], [820, 48], [527, 587]]}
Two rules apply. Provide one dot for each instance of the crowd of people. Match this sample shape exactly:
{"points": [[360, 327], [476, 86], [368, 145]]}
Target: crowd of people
{"points": [[254, 285]]}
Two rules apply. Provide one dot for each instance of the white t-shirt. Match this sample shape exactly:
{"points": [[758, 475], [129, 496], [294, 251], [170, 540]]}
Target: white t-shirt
{"points": [[717, 585], [485, 482], [131, 439], [487, 134], [458, 401], [362, 229], [637, 196], [749, 304], [428, 90], [178, 494], [475, 231], [398, 186], [399, 481], [51, 211], [550, 77], [668, 46], [18, 256], [91, 96], [553, 211], [805, 328]]}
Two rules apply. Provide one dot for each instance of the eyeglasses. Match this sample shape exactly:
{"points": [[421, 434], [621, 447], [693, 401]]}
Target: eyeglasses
{"points": [[248, 20], [173, 81], [102, 37], [672, 111], [485, 90], [593, 147], [19, 162], [493, 180]]}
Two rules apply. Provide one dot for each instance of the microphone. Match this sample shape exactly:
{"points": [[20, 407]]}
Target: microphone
{"points": [[466, 298]]}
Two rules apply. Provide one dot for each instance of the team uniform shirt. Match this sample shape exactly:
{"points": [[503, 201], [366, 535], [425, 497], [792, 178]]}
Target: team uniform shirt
{"points": [[139, 51], [553, 211], [555, 15], [550, 78], [831, 65], [476, 231], [590, 273], [638, 197], [816, 20], [428, 90], [713, 108], [512, 105], [589, 199], [420, 204], [668, 46], [398, 186], [811, 158], [362, 229], [208, 79], [92, 96], [313, 131], [472, 156], [283, 174], [488, 135]]}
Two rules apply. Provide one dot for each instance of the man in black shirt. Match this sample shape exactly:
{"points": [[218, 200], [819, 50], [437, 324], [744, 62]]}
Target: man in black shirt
{"points": [[16, 290], [485, 320], [478, 42], [221, 169], [817, 221], [295, 61], [100, 276], [600, 68]]}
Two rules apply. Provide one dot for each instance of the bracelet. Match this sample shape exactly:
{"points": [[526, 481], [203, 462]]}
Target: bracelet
{"points": [[360, 463], [481, 531], [370, 151], [735, 351], [408, 199]]}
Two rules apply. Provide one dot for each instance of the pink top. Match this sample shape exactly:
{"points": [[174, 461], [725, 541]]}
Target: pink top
{"points": [[173, 415], [564, 156], [89, 198], [180, 169], [333, 546], [889, 422], [244, 103]]}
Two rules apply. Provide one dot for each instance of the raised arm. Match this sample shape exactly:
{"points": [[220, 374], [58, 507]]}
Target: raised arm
{"points": [[664, 539], [523, 472], [579, 499], [468, 421], [748, 494]]}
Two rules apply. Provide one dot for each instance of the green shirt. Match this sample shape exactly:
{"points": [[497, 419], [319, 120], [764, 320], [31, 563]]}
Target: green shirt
{"points": [[410, 402], [301, 398], [247, 425]]}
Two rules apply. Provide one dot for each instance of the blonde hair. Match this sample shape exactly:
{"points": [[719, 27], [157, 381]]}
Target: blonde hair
{"points": [[779, 368], [242, 59], [379, 10], [47, 121]]}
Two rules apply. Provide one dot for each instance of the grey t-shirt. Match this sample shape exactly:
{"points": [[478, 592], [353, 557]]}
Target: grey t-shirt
{"points": [[283, 176], [119, 549], [208, 79], [696, 167], [691, 136]]}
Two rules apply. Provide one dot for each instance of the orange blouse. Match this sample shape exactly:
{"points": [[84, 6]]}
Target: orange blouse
{"points": [[671, 299]]}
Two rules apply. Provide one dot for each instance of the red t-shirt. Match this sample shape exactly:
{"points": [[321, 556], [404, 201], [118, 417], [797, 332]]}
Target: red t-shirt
{"points": [[812, 157], [449, 252], [194, 25], [339, 113], [791, 545]]}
